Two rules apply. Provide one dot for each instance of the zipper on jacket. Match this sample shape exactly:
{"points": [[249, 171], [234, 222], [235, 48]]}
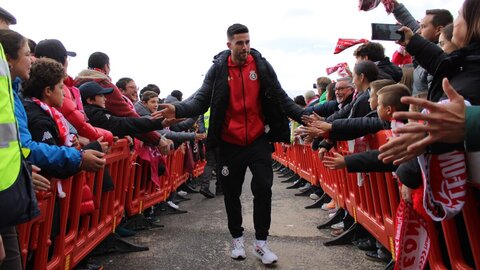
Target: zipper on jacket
{"points": [[244, 106]]}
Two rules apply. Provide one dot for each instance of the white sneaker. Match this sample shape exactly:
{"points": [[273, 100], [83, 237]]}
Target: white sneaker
{"points": [[238, 251], [172, 205], [182, 193], [337, 226], [314, 196], [261, 251]]}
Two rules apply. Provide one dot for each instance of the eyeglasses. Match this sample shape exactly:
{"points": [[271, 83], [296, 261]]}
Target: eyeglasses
{"points": [[342, 88]]}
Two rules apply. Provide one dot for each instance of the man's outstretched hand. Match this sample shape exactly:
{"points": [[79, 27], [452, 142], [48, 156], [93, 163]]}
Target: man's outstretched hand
{"points": [[167, 111]]}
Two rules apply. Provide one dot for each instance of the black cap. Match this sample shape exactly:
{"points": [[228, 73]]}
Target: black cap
{"points": [[7, 16], [91, 89], [54, 49]]}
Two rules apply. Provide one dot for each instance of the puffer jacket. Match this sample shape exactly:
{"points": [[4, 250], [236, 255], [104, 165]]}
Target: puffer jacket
{"points": [[72, 110], [115, 102], [215, 93]]}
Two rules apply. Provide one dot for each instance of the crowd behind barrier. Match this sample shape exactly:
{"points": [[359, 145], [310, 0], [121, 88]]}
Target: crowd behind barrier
{"points": [[372, 200], [62, 247]]}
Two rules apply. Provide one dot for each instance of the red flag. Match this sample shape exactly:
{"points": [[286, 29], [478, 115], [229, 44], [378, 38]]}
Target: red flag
{"points": [[345, 43], [367, 5]]}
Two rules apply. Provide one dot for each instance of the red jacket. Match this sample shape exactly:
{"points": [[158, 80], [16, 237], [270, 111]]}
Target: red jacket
{"points": [[72, 109], [244, 121], [115, 102]]}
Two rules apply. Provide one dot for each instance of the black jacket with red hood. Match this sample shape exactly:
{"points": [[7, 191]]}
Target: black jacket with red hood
{"points": [[215, 93]]}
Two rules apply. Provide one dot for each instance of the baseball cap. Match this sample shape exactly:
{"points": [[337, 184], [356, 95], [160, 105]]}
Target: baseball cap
{"points": [[7, 16], [91, 89], [54, 49]]}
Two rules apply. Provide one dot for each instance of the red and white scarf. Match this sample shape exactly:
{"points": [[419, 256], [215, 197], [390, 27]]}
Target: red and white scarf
{"points": [[444, 180], [345, 43], [62, 125], [367, 5], [412, 243], [63, 132]]}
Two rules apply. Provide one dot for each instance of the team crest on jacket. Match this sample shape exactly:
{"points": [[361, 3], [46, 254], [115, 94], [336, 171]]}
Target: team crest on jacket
{"points": [[253, 75], [225, 171]]}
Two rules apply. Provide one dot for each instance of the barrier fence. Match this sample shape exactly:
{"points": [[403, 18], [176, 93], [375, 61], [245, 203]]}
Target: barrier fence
{"points": [[69, 228], [372, 200]]}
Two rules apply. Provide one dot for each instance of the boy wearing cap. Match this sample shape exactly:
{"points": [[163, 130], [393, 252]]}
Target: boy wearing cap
{"points": [[94, 99], [72, 107]]}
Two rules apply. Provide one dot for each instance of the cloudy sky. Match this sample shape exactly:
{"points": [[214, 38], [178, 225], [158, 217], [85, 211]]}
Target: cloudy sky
{"points": [[171, 43]]}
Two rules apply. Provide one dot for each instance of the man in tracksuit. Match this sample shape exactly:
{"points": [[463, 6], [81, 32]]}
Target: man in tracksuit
{"points": [[248, 110]]}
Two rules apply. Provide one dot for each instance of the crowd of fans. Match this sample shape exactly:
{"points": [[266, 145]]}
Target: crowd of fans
{"points": [[68, 124]]}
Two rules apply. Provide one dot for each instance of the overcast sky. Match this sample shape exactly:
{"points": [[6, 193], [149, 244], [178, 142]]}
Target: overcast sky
{"points": [[172, 43]]}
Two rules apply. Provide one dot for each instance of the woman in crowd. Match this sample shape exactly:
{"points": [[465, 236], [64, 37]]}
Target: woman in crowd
{"points": [[461, 67]]}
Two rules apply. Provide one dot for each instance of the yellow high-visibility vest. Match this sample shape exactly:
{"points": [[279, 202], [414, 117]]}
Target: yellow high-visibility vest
{"points": [[206, 119], [10, 149]]}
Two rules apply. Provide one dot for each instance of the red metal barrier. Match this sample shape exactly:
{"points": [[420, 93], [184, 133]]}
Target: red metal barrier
{"points": [[455, 243]]}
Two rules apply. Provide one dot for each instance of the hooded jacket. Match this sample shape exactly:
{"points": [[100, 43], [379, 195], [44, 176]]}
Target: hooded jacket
{"points": [[115, 102], [215, 93]]}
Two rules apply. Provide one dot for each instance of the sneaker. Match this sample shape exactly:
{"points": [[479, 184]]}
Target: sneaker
{"points": [[328, 206], [238, 251], [172, 205], [305, 187], [182, 193], [314, 196], [261, 251], [332, 213], [337, 226]]}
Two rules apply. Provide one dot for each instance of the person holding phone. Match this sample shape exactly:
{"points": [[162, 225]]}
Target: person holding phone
{"points": [[461, 67], [429, 28]]}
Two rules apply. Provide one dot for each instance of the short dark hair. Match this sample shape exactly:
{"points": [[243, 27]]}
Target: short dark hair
{"points": [[331, 91], [379, 84], [373, 50], [236, 29], [391, 95], [12, 42], [148, 95], [31, 44], [177, 94], [44, 72], [122, 83], [300, 100], [98, 60], [441, 17], [322, 82], [150, 87], [368, 69]]}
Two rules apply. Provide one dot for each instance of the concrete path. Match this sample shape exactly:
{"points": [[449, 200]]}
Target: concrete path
{"points": [[199, 239]]}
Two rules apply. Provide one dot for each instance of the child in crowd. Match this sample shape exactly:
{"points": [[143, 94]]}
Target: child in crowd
{"points": [[387, 101], [94, 98]]}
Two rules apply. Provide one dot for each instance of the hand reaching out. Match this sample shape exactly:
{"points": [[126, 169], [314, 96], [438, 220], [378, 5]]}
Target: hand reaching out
{"points": [[335, 162]]}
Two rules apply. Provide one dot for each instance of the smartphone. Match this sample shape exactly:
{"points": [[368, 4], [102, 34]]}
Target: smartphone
{"points": [[385, 31]]}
